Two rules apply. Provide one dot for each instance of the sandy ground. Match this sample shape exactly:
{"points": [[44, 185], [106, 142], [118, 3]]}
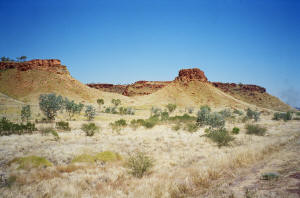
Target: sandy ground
{"points": [[186, 164]]}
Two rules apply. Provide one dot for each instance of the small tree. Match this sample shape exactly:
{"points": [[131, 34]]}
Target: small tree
{"points": [[100, 102], [23, 58], [50, 104], [171, 107], [203, 115], [72, 108], [90, 112], [116, 102], [25, 113]]}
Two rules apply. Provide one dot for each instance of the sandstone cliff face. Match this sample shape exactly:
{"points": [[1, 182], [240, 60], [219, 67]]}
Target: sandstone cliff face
{"points": [[187, 75], [230, 87], [108, 87], [51, 65]]}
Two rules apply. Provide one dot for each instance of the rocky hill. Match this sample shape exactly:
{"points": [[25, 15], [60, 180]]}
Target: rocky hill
{"points": [[25, 81], [251, 94]]}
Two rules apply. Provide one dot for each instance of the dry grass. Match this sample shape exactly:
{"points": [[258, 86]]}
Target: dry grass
{"points": [[185, 164]]}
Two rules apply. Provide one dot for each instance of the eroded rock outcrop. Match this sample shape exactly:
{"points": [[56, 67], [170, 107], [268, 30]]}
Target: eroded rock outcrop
{"points": [[187, 75], [108, 87], [231, 87], [51, 65]]}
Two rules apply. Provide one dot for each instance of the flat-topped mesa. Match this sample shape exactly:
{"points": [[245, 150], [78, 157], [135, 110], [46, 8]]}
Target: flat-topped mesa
{"points": [[51, 65], [231, 87], [108, 87], [187, 75]]}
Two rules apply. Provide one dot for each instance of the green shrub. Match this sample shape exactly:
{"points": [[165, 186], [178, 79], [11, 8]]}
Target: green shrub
{"points": [[50, 104], [90, 129], [9, 128], [116, 102], [171, 107], [49, 130], [164, 116], [72, 108], [253, 114], [220, 136], [62, 126], [183, 118], [216, 120], [25, 113], [255, 129], [298, 113], [30, 162], [90, 112], [139, 163], [282, 116], [235, 130], [149, 124], [105, 156], [155, 111], [191, 127], [238, 112], [176, 127], [100, 102], [118, 125], [126, 111], [226, 113], [203, 115]]}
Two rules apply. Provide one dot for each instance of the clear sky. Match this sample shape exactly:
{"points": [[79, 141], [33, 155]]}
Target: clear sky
{"points": [[122, 41]]}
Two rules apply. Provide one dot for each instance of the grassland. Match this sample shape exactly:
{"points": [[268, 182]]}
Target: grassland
{"points": [[185, 164]]}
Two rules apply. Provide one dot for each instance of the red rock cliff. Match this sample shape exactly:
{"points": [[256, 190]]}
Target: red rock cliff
{"points": [[230, 87], [187, 75], [52, 65]]}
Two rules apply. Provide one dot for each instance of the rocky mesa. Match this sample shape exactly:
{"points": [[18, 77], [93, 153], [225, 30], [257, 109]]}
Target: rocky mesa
{"points": [[51, 65]]}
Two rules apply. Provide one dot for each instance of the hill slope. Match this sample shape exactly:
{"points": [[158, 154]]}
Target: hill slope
{"points": [[27, 84]]}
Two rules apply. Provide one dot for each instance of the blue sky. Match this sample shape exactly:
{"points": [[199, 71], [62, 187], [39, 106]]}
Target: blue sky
{"points": [[111, 41]]}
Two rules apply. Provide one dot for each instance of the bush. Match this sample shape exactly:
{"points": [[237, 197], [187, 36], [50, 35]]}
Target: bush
{"points": [[30, 162], [155, 111], [126, 111], [171, 107], [220, 136], [62, 126], [112, 110], [235, 130], [216, 120], [164, 116], [72, 108], [255, 129], [50, 104], [116, 102], [252, 114], [90, 129], [176, 127], [191, 127], [49, 130], [226, 113], [9, 128], [183, 118], [105, 156], [139, 163], [298, 113], [238, 112], [282, 116], [90, 112], [100, 102], [203, 115], [25, 113], [118, 125], [149, 124]]}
